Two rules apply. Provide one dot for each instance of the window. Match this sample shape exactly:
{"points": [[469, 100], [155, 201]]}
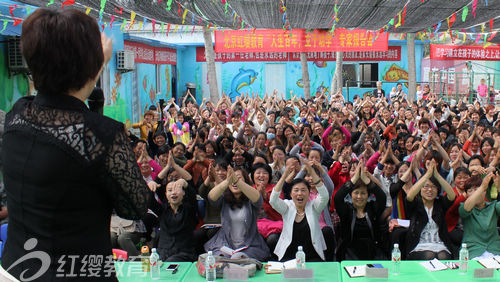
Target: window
{"points": [[368, 75], [349, 73]]}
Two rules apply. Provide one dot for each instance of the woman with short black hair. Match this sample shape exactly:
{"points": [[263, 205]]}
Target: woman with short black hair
{"points": [[68, 167]]}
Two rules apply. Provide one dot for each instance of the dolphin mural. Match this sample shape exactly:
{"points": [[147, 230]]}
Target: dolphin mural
{"points": [[243, 78]]}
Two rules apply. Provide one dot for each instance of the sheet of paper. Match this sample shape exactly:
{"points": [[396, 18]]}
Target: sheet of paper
{"points": [[404, 222], [356, 271], [493, 262], [434, 265]]}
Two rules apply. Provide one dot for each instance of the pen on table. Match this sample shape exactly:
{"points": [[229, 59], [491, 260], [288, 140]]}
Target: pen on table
{"points": [[354, 270], [432, 264], [496, 259]]}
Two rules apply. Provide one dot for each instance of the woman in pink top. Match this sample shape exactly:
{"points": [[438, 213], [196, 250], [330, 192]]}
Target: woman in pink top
{"points": [[482, 93]]}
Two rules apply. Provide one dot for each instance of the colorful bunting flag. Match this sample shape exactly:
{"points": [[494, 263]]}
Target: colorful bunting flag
{"points": [[399, 20], [452, 19], [141, 25], [169, 5], [404, 15], [11, 10], [119, 11], [111, 21], [474, 6], [487, 44], [122, 27], [17, 21], [162, 28], [5, 22], [482, 28], [492, 35], [464, 13], [50, 3], [153, 22], [184, 16], [478, 37], [67, 3], [437, 27], [103, 4], [168, 29], [87, 11], [491, 24]]}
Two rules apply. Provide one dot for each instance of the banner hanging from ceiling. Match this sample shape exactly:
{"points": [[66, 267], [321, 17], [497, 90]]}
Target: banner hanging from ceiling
{"points": [[299, 40], [393, 54], [150, 54], [464, 52]]}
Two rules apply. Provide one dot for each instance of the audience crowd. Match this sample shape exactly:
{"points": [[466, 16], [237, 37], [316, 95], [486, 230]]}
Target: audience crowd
{"points": [[260, 176]]}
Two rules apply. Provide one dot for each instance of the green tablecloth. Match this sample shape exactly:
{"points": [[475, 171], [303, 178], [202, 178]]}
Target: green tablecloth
{"points": [[323, 271], [132, 271], [414, 271]]}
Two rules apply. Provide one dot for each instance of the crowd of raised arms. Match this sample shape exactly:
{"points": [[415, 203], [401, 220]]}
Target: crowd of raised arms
{"points": [[344, 180]]}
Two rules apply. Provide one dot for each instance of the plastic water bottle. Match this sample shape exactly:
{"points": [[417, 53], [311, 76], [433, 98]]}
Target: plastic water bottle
{"points": [[154, 261], [210, 272], [396, 259], [464, 259], [300, 257]]}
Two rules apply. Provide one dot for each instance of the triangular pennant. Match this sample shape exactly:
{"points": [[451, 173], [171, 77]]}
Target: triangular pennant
{"points": [[5, 22], [67, 3], [141, 25], [169, 5], [391, 22], [184, 16], [474, 6], [87, 11], [492, 35], [168, 29], [482, 28], [50, 3], [17, 21], [119, 11], [487, 44], [111, 21], [478, 37], [464, 13], [103, 4], [399, 20], [162, 28], [153, 22], [452, 19], [122, 27], [11, 10], [491, 24], [404, 15]]}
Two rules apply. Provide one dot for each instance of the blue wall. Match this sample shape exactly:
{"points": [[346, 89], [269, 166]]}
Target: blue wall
{"points": [[320, 73]]}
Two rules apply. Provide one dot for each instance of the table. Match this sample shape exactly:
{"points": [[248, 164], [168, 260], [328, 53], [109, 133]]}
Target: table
{"points": [[132, 271], [323, 271], [414, 271]]}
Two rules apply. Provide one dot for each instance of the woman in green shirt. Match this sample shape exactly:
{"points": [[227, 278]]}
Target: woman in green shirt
{"points": [[480, 218]]}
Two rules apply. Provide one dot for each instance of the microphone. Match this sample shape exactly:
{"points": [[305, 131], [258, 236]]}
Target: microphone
{"points": [[96, 100]]}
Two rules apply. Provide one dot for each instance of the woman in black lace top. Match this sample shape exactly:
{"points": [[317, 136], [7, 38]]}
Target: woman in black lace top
{"points": [[65, 167]]}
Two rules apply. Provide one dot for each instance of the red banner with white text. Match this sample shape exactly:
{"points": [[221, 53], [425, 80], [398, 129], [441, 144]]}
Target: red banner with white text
{"points": [[465, 52], [151, 55], [298, 40], [392, 54]]}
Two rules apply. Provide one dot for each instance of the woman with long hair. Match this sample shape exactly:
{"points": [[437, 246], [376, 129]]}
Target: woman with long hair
{"points": [[240, 204]]}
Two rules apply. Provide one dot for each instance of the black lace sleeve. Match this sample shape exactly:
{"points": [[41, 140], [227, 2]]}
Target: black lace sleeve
{"points": [[128, 189]]}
